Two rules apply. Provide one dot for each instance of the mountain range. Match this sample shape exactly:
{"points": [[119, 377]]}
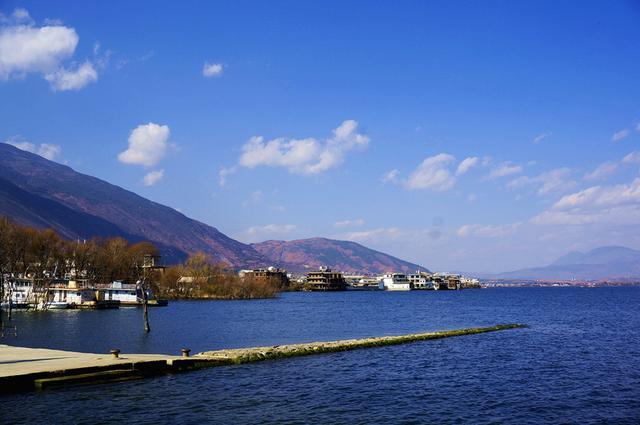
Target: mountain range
{"points": [[45, 194], [604, 263], [304, 254]]}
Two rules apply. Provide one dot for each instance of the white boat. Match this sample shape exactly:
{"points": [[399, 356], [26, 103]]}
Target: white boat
{"points": [[395, 282], [127, 295], [18, 292], [57, 305]]}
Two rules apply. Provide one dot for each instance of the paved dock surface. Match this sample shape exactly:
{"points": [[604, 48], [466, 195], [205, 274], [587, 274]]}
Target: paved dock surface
{"points": [[24, 361], [26, 369]]}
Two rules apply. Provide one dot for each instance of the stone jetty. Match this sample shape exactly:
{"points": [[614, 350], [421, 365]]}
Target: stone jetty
{"points": [[249, 355], [27, 369]]}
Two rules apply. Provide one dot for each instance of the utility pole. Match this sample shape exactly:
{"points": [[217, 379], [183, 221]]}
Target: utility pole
{"points": [[9, 298], [145, 304], [145, 309], [1, 298]]}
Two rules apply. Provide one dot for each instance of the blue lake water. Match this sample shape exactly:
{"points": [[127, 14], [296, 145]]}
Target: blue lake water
{"points": [[576, 363]]}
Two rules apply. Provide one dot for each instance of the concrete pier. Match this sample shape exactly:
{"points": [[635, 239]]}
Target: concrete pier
{"points": [[27, 369]]}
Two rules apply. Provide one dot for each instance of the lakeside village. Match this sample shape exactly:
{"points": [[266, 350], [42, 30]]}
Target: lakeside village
{"points": [[326, 279], [40, 270], [22, 293]]}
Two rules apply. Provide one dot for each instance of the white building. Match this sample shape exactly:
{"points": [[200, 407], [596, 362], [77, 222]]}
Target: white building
{"points": [[395, 282], [19, 291], [127, 294], [72, 292]]}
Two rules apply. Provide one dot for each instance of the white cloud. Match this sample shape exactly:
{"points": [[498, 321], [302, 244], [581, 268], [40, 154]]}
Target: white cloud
{"points": [[255, 198], [615, 215], [18, 16], [212, 69], [349, 223], [540, 137], [26, 48], [147, 145], [269, 231], [433, 173], [556, 180], [632, 158], [304, 156], [487, 231], [602, 196], [63, 79], [49, 151], [153, 177], [620, 135], [578, 198], [390, 176], [505, 169], [603, 170], [374, 235], [45, 150], [224, 173], [467, 164], [616, 204]]}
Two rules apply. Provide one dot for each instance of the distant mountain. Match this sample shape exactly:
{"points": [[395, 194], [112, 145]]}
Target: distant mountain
{"points": [[603, 255], [304, 254], [41, 193], [611, 262]]}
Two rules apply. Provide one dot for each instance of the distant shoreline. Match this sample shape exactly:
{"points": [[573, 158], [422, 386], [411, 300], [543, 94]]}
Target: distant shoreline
{"points": [[509, 283]]}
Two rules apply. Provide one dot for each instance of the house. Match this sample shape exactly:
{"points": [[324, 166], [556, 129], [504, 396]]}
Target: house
{"points": [[277, 277], [325, 280], [19, 292], [74, 293], [126, 294]]}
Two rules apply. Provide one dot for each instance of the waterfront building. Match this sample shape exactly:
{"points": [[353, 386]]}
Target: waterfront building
{"points": [[69, 293], [468, 282], [325, 280], [125, 293], [362, 283], [421, 280], [395, 282], [19, 292], [272, 275], [447, 281], [151, 263]]}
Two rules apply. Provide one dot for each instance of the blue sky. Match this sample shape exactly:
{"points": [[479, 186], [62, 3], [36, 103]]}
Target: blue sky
{"points": [[351, 120]]}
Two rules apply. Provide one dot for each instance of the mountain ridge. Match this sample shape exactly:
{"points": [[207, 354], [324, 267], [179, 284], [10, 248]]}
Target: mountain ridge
{"points": [[601, 263], [347, 256], [41, 193]]}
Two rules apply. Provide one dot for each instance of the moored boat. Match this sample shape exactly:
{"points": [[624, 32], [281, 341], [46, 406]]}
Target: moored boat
{"points": [[57, 305]]}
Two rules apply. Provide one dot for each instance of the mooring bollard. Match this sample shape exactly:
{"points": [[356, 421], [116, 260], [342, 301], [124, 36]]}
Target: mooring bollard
{"points": [[115, 353], [185, 352]]}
